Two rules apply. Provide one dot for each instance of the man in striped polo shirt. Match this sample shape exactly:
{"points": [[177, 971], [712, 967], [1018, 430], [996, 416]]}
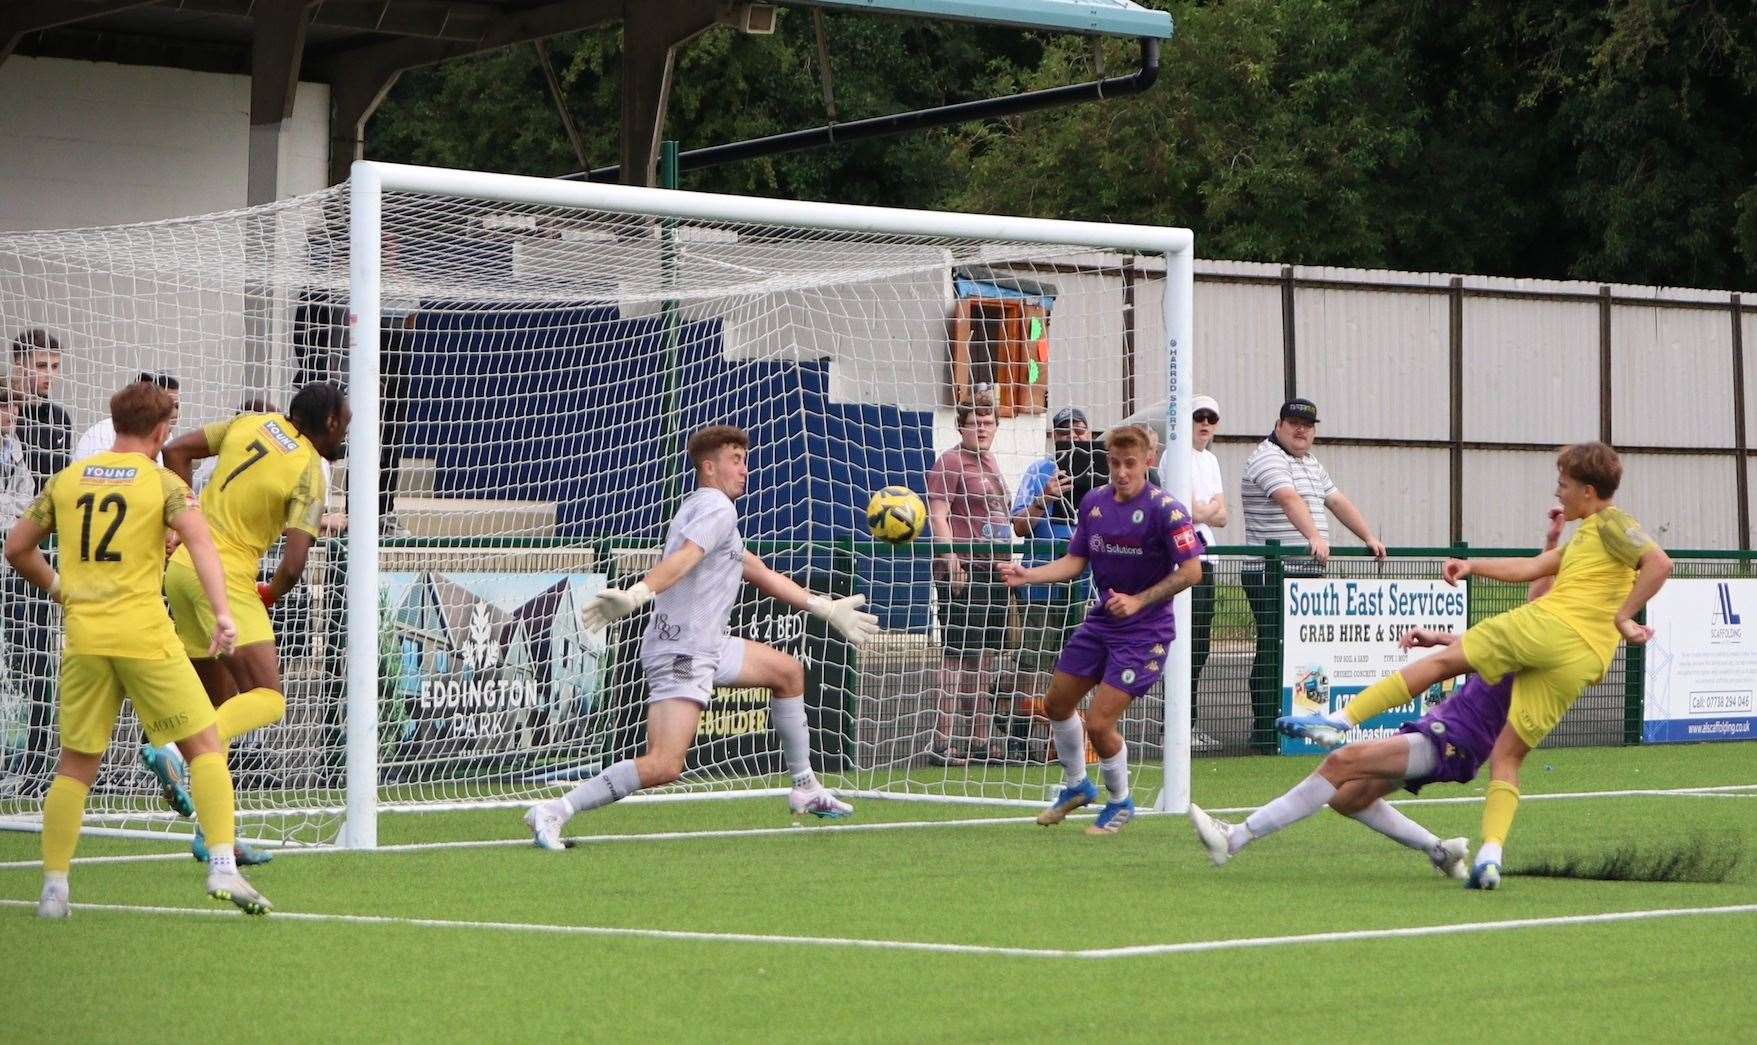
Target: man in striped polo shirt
{"points": [[1287, 496]]}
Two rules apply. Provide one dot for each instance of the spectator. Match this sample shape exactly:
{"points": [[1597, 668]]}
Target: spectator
{"points": [[1042, 513], [1208, 505], [17, 485], [967, 501], [1287, 497], [44, 434], [101, 436]]}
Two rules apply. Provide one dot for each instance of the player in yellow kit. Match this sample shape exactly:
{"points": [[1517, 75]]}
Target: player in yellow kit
{"points": [[111, 511], [268, 483], [1559, 644]]}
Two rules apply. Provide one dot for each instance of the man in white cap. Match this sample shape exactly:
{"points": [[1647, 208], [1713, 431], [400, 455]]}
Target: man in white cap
{"points": [[1208, 505]]}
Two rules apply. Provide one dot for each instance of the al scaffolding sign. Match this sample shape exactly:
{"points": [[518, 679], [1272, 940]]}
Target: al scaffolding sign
{"points": [[1340, 636], [1701, 663]]}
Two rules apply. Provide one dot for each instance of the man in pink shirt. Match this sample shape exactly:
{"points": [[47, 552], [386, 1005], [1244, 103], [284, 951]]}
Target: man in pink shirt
{"points": [[967, 502]]}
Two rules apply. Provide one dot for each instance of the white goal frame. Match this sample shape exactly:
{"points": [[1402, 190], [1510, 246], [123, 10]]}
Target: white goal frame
{"points": [[370, 180]]}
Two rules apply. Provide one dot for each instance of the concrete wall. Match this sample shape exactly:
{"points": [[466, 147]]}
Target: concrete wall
{"points": [[92, 143]]}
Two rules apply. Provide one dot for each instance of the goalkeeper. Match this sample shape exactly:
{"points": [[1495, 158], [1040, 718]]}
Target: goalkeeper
{"points": [[1449, 744], [687, 650], [268, 484]]}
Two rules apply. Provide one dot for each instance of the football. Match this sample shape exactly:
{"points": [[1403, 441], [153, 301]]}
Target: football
{"points": [[896, 515]]}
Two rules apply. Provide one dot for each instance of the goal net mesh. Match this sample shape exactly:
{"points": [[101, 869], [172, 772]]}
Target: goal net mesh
{"points": [[540, 370]]}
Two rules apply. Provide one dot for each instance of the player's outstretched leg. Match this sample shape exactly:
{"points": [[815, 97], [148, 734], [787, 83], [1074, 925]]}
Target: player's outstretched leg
{"points": [[671, 726], [547, 819], [167, 765]]}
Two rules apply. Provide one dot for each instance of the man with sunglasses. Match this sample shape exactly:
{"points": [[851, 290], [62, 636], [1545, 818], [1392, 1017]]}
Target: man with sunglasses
{"points": [[1208, 506]]}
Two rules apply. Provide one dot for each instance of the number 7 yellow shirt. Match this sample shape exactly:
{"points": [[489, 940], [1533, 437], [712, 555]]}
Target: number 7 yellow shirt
{"points": [[269, 479]]}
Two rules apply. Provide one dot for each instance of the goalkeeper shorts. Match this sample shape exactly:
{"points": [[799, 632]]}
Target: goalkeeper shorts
{"points": [[676, 675]]}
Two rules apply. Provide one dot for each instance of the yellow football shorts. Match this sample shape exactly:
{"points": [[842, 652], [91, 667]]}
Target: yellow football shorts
{"points": [[1554, 665], [166, 692], [194, 616]]}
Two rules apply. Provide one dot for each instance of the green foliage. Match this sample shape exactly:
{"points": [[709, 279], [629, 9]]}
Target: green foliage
{"points": [[1581, 139]]}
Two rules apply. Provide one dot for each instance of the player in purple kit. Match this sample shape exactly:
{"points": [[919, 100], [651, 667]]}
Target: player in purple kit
{"points": [[1143, 549], [1447, 745]]}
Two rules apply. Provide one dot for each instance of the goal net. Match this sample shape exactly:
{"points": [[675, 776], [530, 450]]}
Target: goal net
{"points": [[525, 360]]}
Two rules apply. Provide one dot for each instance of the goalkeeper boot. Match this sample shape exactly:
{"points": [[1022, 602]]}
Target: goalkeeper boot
{"points": [[819, 803], [247, 855], [1113, 817], [173, 776], [546, 819], [1215, 835], [53, 902], [1070, 799], [231, 887], [1452, 858], [1314, 729], [1485, 875]]}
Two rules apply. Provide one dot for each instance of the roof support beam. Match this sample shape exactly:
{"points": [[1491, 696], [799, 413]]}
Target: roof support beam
{"points": [[651, 35], [277, 47]]}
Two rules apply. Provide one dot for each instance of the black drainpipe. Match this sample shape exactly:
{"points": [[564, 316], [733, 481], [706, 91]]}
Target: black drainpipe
{"points": [[920, 119]]}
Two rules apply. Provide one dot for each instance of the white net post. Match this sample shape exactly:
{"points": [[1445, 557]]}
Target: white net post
{"points": [[1178, 319], [365, 263]]}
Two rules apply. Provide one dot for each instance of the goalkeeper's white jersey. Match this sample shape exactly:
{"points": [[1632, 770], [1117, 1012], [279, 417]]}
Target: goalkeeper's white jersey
{"points": [[691, 616]]}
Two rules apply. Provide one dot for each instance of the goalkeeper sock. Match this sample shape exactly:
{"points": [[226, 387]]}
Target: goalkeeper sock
{"points": [[614, 784], [210, 784], [63, 809], [1378, 698], [1497, 815], [252, 709], [1116, 774], [1070, 749], [1302, 800], [1381, 817], [788, 716]]}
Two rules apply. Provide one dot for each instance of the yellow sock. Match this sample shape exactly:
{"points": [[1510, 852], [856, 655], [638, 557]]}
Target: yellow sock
{"points": [[249, 710], [1378, 698], [210, 784], [1497, 812], [63, 809]]}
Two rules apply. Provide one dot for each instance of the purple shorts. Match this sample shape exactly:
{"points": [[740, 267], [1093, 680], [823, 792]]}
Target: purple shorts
{"points": [[1131, 663], [1458, 762]]}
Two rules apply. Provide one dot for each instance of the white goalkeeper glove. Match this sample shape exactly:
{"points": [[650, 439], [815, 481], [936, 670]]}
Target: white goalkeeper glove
{"points": [[613, 604], [846, 616]]}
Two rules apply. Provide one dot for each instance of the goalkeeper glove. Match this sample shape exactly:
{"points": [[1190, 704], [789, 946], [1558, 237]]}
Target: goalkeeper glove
{"points": [[613, 604], [846, 616], [55, 588], [265, 592]]}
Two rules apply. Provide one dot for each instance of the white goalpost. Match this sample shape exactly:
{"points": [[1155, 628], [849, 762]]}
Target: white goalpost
{"points": [[524, 359]]}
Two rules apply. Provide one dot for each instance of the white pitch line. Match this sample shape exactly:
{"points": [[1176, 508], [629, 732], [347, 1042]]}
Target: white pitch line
{"points": [[1721, 791], [977, 950]]}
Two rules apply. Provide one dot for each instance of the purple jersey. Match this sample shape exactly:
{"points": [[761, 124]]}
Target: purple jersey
{"points": [[1463, 729], [1133, 545]]}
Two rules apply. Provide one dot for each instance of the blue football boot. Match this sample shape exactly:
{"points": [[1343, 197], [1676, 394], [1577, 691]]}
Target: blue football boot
{"points": [[1071, 798]]}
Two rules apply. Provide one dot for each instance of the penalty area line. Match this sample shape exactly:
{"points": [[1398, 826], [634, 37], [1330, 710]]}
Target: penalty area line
{"points": [[976, 950]]}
